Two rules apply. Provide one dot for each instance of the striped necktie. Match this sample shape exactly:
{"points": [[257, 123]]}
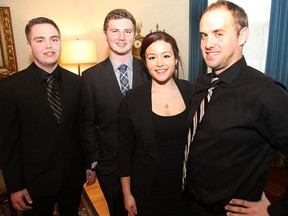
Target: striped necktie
{"points": [[214, 83], [124, 81], [53, 97]]}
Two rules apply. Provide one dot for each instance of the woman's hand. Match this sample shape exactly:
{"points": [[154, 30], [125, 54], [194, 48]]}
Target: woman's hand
{"points": [[130, 205]]}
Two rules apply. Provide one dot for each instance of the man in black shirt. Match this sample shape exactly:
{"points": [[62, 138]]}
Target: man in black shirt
{"points": [[245, 121]]}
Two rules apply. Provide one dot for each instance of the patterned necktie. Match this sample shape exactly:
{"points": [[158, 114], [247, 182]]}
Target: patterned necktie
{"points": [[214, 83], [53, 97], [124, 82]]}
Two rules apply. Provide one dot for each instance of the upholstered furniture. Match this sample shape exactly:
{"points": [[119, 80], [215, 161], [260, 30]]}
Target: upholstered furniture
{"points": [[278, 179]]}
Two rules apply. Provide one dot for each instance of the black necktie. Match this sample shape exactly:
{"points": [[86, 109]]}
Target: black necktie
{"points": [[53, 97], [124, 81], [214, 83]]}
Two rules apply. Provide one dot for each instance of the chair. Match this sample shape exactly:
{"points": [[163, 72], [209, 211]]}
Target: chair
{"points": [[4, 196]]}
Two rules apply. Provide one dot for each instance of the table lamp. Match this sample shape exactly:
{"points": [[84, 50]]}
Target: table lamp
{"points": [[78, 52]]}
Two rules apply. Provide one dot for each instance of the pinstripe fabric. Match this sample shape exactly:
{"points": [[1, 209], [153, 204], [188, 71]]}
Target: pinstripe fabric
{"points": [[53, 98]]}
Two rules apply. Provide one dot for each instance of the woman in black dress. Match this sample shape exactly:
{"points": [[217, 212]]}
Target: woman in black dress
{"points": [[152, 132]]}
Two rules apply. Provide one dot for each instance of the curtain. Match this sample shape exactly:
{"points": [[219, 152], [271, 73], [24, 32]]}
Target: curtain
{"points": [[197, 65], [277, 52]]}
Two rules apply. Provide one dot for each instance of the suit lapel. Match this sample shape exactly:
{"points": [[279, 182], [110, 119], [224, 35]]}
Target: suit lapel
{"points": [[148, 133], [33, 84], [137, 78], [111, 79], [65, 93]]}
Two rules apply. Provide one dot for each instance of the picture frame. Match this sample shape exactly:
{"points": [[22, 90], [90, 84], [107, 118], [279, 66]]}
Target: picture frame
{"points": [[8, 61]]}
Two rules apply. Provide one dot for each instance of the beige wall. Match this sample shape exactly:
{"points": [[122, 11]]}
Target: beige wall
{"points": [[84, 19]]}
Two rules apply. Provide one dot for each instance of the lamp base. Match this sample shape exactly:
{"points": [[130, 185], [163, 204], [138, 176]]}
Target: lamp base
{"points": [[79, 71]]}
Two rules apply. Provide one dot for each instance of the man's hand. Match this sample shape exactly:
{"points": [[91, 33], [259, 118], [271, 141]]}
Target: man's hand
{"points": [[21, 200], [90, 177], [243, 207]]}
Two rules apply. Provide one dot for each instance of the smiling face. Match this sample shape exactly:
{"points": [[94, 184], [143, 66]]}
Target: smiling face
{"points": [[160, 61], [120, 36], [221, 45], [45, 45]]}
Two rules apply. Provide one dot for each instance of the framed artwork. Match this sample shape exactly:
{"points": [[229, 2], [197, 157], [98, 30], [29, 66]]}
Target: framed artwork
{"points": [[8, 62]]}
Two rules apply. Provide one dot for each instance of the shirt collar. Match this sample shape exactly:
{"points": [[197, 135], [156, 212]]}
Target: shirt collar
{"points": [[116, 63], [42, 73], [231, 73]]}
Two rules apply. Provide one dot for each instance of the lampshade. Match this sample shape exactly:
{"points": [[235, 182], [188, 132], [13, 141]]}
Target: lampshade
{"points": [[78, 52]]}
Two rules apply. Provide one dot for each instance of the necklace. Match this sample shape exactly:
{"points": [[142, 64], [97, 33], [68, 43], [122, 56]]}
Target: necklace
{"points": [[167, 103], [160, 96]]}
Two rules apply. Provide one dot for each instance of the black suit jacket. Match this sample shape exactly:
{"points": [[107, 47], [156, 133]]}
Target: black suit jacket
{"points": [[103, 91], [35, 151], [138, 149]]}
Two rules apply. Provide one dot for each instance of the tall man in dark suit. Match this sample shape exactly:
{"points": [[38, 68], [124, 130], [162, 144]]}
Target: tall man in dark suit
{"points": [[41, 152], [104, 82]]}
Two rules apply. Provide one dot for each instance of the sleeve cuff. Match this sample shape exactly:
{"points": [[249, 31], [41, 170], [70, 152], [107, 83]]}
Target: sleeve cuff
{"points": [[93, 165]]}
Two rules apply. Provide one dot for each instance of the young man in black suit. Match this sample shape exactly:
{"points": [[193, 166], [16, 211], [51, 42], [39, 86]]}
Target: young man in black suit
{"points": [[41, 153], [104, 84]]}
